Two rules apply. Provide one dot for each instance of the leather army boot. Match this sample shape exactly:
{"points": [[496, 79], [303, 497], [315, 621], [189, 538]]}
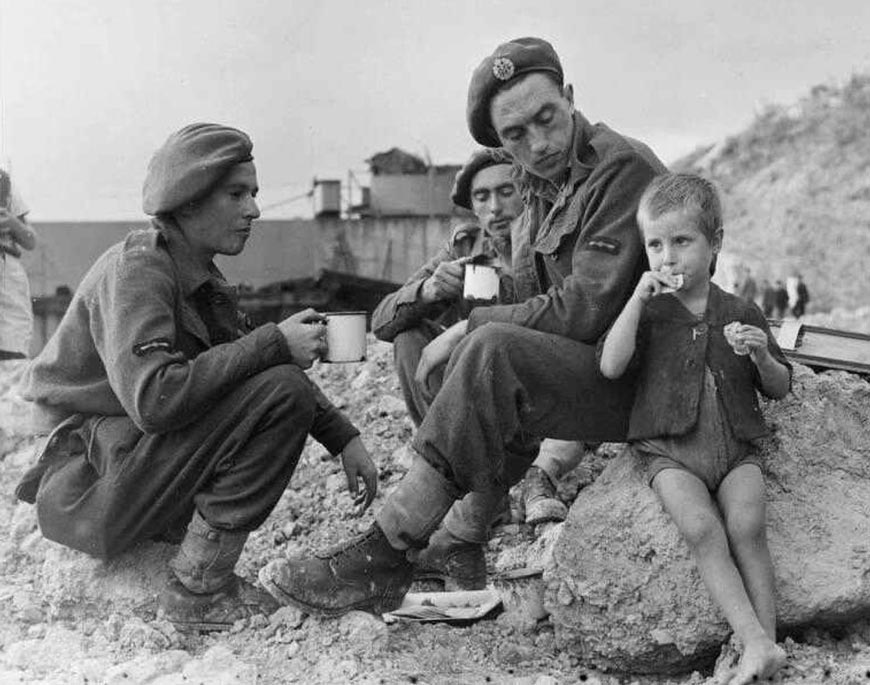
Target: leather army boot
{"points": [[460, 565], [539, 497], [213, 611], [203, 593], [365, 573], [371, 572]]}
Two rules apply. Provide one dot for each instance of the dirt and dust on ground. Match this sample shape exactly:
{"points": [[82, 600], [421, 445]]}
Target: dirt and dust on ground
{"points": [[67, 619]]}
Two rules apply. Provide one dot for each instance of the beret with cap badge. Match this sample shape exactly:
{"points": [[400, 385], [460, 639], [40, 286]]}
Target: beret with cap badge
{"points": [[508, 62], [190, 163]]}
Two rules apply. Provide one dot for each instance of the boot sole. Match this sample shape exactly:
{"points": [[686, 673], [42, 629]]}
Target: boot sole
{"points": [[373, 606]]}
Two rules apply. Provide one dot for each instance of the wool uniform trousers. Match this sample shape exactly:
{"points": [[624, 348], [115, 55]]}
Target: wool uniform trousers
{"points": [[107, 485], [506, 387]]}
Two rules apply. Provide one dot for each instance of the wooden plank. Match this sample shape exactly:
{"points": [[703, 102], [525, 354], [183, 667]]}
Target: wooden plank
{"points": [[820, 347]]}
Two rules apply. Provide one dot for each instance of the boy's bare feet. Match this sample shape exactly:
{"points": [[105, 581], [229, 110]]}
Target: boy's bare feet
{"points": [[760, 660]]}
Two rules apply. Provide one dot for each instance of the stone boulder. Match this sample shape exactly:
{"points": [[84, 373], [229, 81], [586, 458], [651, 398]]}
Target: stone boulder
{"points": [[72, 582], [623, 591]]}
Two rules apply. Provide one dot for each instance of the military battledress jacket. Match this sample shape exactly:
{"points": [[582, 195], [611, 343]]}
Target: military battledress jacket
{"points": [[151, 342], [673, 349], [577, 253], [152, 335]]}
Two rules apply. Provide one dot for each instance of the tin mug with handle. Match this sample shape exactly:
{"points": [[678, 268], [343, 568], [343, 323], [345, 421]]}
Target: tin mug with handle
{"points": [[345, 337], [481, 283]]}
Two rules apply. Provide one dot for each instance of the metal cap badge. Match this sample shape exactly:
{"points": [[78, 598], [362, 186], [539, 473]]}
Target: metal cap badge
{"points": [[502, 68]]}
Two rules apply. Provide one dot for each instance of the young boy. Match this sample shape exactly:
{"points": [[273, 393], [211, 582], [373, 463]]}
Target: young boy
{"points": [[701, 353]]}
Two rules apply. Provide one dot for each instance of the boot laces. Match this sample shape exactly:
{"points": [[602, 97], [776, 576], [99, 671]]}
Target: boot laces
{"points": [[348, 550]]}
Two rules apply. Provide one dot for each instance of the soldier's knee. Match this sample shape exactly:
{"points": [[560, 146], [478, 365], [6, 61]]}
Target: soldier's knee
{"points": [[489, 340], [287, 389]]}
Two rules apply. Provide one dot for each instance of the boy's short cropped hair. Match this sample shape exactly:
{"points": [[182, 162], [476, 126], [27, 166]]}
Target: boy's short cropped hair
{"points": [[674, 192]]}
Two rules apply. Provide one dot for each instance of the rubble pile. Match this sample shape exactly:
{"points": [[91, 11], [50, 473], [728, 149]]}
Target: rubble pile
{"points": [[66, 618]]}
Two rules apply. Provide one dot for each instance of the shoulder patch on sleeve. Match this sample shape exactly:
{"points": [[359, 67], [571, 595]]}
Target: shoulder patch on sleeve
{"points": [[149, 346], [603, 244]]}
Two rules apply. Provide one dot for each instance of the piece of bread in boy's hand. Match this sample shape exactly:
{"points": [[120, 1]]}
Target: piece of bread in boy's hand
{"points": [[675, 281], [733, 337]]}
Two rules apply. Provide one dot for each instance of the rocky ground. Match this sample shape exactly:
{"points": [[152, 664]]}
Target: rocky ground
{"points": [[68, 619]]}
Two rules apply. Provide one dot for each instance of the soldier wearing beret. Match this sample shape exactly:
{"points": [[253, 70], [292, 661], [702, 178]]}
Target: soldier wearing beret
{"points": [[170, 416], [431, 300], [516, 372], [428, 303]]}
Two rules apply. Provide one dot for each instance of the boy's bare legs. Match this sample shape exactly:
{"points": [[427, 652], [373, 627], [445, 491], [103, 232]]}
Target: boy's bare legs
{"points": [[689, 504], [741, 500]]}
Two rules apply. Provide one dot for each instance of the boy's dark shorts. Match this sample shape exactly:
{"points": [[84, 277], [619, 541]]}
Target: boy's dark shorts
{"points": [[712, 475]]}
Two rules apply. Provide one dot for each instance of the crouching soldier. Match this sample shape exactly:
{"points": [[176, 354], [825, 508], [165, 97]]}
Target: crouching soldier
{"points": [[171, 417]]}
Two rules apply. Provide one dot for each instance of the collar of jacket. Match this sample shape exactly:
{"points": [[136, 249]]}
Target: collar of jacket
{"points": [[671, 309], [191, 273]]}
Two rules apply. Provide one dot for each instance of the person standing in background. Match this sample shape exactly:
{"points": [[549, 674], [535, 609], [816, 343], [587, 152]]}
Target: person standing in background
{"points": [[16, 310], [748, 288], [791, 283], [768, 298], [802, 296], [780, 300]]}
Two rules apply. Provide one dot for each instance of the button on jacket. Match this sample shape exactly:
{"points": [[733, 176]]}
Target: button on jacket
{"points": [[577, 252], [673, 347]]}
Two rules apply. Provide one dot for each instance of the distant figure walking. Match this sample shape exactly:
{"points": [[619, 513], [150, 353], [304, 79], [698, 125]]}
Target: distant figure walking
{"points": [[748, 288], [802, 296], [16, 310], [768, 298], [780, 300]]}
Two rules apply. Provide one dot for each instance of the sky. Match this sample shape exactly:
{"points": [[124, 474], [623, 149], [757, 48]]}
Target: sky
{"points": [[90, 88]]}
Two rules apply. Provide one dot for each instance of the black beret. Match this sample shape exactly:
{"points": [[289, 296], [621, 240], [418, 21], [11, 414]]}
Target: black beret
{"points": [[508, 62], [480, 159], [190, 163]]}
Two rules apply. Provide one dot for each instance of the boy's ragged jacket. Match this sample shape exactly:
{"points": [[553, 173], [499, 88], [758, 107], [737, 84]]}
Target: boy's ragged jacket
{"points": [[672, 350]]}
